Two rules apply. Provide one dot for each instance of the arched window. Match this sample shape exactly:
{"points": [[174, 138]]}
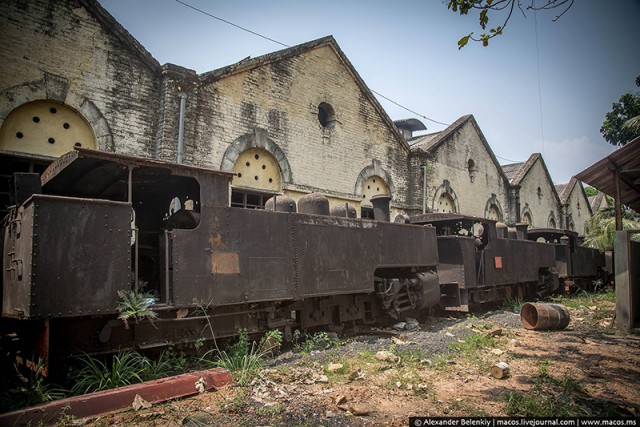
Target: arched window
{"points": [[257, 177], [494, 213], [527, 218], [446, 204], [373, 186], [45, 128], [551, 220], [326, 115], [471, 168]]}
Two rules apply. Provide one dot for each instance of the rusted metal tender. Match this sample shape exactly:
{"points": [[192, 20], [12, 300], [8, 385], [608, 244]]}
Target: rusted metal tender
{"points": [[481, 263], [98, 223]]}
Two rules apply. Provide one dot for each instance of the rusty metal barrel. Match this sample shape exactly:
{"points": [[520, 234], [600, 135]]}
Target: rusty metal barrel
{"points": [[544, 316], [282, 204], [314, 203]]}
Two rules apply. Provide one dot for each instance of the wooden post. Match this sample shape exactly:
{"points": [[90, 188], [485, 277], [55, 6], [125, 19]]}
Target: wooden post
{"points": [[618, 200]]}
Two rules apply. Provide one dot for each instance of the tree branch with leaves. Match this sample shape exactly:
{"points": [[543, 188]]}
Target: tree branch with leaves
{"points": [[622, 123], [486, 7]]}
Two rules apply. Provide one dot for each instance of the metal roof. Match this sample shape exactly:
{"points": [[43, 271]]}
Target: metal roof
{"points": [[412, 124], [625, 161]]}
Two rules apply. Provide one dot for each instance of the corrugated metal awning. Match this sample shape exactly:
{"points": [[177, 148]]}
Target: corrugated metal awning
{"points": [[624, 162]]}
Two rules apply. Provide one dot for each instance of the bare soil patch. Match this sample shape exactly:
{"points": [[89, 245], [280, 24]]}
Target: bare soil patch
{"points": [[442, 368]]}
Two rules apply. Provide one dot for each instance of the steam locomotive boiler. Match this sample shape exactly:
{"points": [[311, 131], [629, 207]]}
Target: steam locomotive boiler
{"points": [[97, 223]]}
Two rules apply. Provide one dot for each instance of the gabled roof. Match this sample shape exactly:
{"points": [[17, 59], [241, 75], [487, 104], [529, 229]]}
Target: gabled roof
{"points": [[565, 190], [413, 125], [512, 169], [430, 143], [596, 201], [525, 167], [110, 24], [517, 172], [251, 63], [561, 188]]}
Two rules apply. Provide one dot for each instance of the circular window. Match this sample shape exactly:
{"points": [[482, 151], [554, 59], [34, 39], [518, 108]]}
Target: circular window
{"points": [[326, 115]]}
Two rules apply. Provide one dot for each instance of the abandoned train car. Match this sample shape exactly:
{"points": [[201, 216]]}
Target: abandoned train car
{"points": [[97, 223], [576, 265], [484, 262]]}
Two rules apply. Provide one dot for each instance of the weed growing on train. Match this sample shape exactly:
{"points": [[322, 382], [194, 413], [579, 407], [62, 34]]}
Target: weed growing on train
{"points": [[135, 306]]}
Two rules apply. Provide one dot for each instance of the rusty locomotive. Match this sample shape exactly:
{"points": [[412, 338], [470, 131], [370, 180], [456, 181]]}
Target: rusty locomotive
{"points": [[485, 262], [577, 266], [97, 223]]}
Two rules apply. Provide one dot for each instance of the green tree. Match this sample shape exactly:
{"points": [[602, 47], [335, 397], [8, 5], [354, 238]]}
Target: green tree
{"points": [[485, 7], [622, 123], [601, 227], [590, 191]]}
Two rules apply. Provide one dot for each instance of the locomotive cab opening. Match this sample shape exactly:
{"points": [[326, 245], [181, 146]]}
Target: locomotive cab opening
{"points": [[162, 197], [161, 202]]}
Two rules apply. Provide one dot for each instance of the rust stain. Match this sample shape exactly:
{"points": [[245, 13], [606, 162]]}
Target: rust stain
{"points": [[216, 242], [225, 263]]}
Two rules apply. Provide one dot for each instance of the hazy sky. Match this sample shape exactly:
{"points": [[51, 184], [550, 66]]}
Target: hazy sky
{"points": [[407, 51]]}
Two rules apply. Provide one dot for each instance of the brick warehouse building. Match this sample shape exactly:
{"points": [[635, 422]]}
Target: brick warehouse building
{"points": [[292, 122]]}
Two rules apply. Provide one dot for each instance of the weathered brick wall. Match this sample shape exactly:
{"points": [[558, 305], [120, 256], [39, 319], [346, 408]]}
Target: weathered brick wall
{"points": [[578, 209], [60, 51], [541, 205], [450, 162], [282, 99]]}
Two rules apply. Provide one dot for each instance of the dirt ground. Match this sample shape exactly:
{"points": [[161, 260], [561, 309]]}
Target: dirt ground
{"points": [[441, 368]]}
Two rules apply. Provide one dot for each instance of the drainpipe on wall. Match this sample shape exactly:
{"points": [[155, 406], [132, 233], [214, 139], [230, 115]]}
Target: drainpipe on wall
{"points": [[183, 100], [424, 189]]}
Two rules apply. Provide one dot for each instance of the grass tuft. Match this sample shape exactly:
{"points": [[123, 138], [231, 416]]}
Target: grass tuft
{"points": [[244, 358]]}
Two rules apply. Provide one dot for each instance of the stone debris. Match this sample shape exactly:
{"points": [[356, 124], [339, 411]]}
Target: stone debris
{"points": [[400, 326], [387, 356], [359, 409], [322, 379], [412, 324], [333, 367], [357, 375]]}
